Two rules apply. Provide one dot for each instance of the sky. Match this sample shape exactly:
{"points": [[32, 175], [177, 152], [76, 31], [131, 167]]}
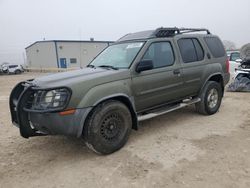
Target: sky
{"points": [[23, 22]]}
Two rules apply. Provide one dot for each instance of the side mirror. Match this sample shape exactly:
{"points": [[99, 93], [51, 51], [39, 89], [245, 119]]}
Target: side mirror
{"points": [[144, 65], [238, 60]]}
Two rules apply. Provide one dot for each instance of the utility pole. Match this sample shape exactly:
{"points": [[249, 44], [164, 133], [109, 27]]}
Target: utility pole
{"points": [[80, 35], [24, 59]]}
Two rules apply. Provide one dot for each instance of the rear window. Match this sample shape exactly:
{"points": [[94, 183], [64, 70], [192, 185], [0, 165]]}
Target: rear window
{"points": [[215, 46], [191, 50]]}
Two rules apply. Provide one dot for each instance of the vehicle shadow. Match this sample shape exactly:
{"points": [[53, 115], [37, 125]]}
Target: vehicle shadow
{"points": [[59, 149]]}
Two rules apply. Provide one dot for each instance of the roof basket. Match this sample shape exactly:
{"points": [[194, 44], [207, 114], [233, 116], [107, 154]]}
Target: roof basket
{"points": [[168, 32]]}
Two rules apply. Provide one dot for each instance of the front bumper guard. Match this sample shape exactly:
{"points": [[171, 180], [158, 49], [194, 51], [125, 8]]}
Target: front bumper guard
{"points": [[18, 98]]}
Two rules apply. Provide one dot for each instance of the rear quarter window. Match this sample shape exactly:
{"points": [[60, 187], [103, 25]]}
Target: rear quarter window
{"points": [[215, 46]]}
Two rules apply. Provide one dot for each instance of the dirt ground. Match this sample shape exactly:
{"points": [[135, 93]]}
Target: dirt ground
{"points": [[180, 149]]}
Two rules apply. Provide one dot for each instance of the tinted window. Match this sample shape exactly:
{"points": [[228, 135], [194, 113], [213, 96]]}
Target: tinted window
{"points": [[191, 50], [199, 50], [161, 53], [13, 66], [215, 46]]}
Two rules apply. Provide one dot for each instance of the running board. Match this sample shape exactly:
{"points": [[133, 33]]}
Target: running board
{"points": [[164, 110]]}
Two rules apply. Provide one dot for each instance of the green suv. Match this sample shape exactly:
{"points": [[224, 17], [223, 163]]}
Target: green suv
{"points": [[140, 76]]}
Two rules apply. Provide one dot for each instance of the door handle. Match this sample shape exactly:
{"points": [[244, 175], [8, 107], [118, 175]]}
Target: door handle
{"points": [[177, 71]]}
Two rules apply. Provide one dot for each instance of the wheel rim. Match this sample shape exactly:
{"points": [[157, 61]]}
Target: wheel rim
{"points": [[111, 127], [212, 98]]}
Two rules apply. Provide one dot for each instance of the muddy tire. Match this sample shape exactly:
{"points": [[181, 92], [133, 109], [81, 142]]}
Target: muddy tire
{"points": [[107, 128], [210, 98]]}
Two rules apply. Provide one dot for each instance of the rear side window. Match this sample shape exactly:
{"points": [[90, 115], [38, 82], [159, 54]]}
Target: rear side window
{"points": [[215, 46], [191, 50], [13, 66]]}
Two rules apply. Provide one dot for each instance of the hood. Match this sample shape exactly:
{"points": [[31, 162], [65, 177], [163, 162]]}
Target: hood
{"points": [[94, 75]]}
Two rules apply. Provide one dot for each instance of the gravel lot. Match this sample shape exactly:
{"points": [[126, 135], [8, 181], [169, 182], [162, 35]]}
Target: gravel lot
{"points": [[180, 149]]}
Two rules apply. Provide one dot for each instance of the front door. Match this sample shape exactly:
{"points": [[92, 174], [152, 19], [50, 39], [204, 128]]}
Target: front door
{"points": [[63, 63], [161, 84]]}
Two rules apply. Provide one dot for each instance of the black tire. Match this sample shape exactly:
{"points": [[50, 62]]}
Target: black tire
{"points": [[208, 104], [107, 128], [17, 72]]}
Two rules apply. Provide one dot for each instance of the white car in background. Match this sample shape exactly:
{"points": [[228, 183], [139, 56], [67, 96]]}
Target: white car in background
{"points": [[234, 61], [12, 69]]}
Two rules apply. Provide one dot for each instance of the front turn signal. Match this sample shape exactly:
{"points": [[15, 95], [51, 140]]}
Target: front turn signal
{"points": [[67, 112]]}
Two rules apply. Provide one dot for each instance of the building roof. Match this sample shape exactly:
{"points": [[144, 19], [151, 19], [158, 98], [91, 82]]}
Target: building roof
{"points": [[83, 41]]}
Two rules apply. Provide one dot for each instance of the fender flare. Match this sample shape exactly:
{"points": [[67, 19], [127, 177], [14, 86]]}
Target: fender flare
{"points": [[214, 74], [128, 101]]}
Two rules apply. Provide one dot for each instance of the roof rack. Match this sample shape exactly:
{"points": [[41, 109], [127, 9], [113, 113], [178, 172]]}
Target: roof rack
{"points": [[168, 32]]}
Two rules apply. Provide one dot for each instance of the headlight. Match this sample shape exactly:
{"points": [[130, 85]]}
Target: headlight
{"points": [[55, 99]]}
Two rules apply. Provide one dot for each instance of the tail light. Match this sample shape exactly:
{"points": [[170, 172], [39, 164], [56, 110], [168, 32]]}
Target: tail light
{"points": [[227, 66]]}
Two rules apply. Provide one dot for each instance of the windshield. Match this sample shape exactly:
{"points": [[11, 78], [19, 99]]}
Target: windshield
{"points": [[118, 55]]}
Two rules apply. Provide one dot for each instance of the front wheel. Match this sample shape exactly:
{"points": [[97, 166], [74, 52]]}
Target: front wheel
{"points": [[210, 98], [107, 127]]}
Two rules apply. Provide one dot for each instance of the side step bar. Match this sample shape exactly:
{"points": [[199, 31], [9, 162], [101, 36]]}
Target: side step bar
{"points": [[164, 110]]}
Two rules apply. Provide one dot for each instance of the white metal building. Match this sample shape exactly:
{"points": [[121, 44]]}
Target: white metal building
{"points": [[63, 53]]}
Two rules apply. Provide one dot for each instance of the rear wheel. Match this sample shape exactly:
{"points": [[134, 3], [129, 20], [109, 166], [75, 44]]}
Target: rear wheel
{"points": [[210, 98], [108, 127], [17, 72]]}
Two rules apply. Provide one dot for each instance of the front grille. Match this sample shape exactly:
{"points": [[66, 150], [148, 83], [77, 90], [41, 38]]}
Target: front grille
{"points": [[29, 102]]}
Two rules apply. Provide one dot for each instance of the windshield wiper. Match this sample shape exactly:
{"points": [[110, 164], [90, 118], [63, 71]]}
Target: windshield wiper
{"points": [[91, 66], [108, 66]]}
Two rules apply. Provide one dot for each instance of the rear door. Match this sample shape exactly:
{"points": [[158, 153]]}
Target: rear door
{"points": [[161, 84], [192, 61]]}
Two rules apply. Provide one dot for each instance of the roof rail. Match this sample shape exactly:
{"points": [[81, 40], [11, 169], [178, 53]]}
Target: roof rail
{"points": [[168, 32], [190, 30]]}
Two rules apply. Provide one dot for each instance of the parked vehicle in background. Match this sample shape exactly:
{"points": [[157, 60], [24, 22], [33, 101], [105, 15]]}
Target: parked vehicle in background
{"points": [[242, 72], [141, 76], [3, 67], [234, 61], [12, 68], [233, 55]]}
